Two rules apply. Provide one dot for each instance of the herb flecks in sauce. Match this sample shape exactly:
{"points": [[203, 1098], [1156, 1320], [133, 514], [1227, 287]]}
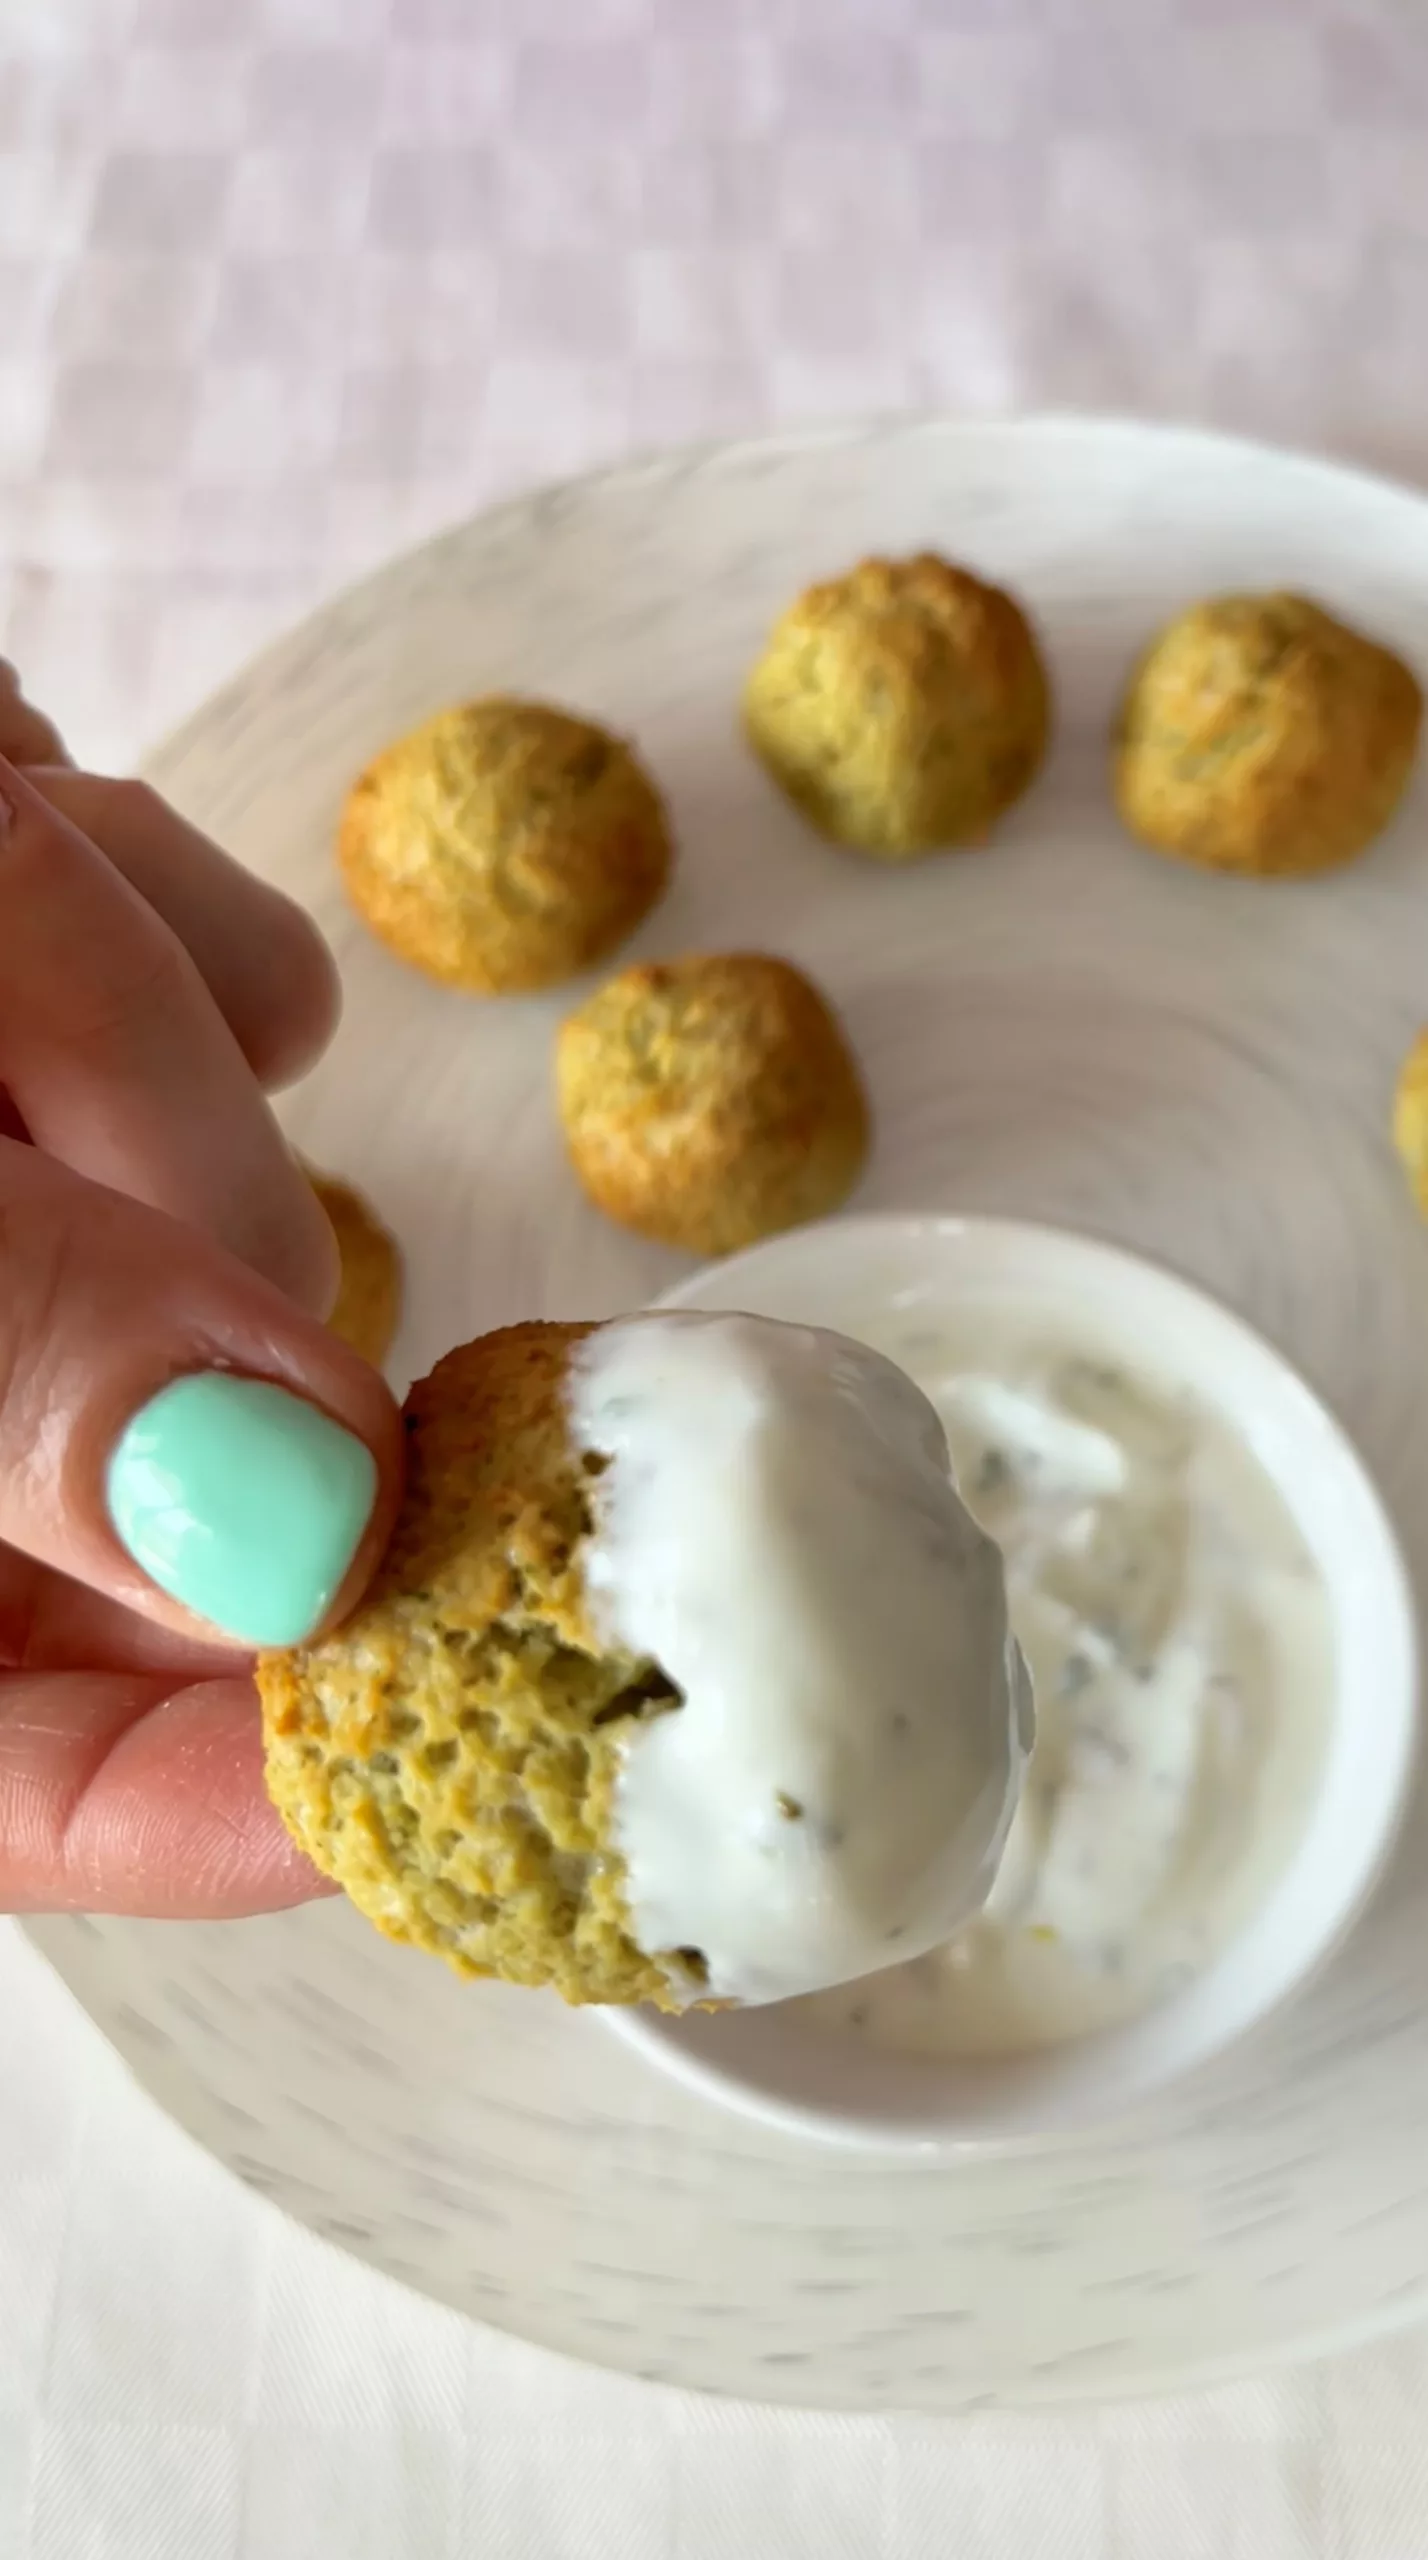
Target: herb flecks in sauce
{"points": [[1181, 1652]]}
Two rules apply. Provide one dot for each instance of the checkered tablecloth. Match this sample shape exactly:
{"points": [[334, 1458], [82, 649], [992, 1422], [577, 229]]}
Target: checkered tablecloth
{"points": [[284, 284]]}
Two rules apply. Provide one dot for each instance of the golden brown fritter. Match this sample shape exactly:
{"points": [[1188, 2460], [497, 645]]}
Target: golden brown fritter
{"points": [[707, 1102], [903, 707], [369, 1288], [1410, 1119], [1260, 735], [450, 1755], [504, 846]]}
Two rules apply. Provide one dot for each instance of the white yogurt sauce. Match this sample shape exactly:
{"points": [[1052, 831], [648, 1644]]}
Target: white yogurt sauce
{"points": [[776, 1526], [1182, 1659]]}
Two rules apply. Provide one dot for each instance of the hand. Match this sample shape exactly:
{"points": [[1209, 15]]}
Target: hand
{"points": [[189, 1463]]}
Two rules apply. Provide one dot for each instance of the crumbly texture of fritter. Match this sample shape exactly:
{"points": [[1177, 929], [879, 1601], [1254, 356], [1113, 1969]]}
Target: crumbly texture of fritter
{"points": [[450, 1755], [369, 1289], [903, 707], [1259, 735], [1410, 1119], [504, 846], [707, 1102]]}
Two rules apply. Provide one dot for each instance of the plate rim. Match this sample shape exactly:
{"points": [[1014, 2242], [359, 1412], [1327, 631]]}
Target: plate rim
{"points": [[690, 458], [1153, 2382]]}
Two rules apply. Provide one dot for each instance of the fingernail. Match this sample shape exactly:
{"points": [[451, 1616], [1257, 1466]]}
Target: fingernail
{"points": [[243, 1502]]}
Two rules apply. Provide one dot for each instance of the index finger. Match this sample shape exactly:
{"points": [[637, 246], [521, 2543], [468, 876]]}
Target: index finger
{"points": [[143, 1794], [262, 958], [26, 736], [120, 1063]]}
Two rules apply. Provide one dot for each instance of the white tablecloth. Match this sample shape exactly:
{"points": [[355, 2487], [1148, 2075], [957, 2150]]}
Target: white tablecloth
{"points": [[284, 284]]}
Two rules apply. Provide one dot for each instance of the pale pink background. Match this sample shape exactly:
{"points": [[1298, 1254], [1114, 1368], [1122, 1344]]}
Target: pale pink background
{"points": [[285, 284]]}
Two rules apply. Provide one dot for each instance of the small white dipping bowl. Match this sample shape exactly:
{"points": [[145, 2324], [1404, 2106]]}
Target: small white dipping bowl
{"points": [[770, 2062]]}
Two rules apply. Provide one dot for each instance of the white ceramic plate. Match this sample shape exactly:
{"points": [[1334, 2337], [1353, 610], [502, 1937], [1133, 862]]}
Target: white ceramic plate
{"points": [[1062, 1028]]}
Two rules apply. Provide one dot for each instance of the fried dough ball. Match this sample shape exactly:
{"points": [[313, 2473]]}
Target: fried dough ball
{"points": [[449, 1756], [1260, 735], [904, 707], [369, 1289], [707, 1102], [504, 846], [1410, 1119]]}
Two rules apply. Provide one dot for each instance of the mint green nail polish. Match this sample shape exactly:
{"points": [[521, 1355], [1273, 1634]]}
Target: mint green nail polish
{"points": [[243, 1502]]}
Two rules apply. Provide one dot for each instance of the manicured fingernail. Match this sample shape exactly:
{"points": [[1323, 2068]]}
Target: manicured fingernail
{"points": [[243, 1502]]}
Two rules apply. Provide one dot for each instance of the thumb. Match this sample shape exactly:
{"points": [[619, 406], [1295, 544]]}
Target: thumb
{"points": [[174, 1432]]}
